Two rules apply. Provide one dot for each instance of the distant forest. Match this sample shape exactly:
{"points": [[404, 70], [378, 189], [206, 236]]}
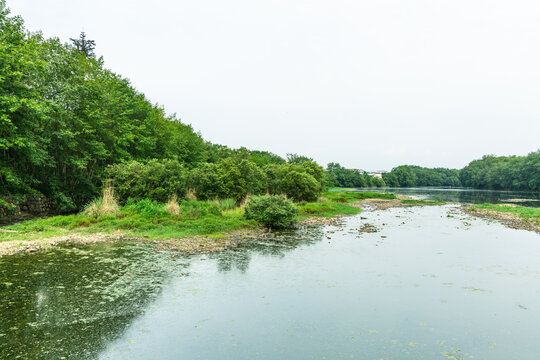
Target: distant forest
{"points": [[491, 172]]}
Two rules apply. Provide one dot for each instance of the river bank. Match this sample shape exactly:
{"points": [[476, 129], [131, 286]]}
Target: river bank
{"points": [[205, 234], [513, 216]]}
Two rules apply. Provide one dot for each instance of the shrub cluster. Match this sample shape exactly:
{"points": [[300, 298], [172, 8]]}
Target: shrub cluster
{"points": [[231, 178], [272, 210]]}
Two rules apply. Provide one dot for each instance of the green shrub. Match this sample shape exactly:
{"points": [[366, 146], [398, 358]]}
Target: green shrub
{"points": [[239, 178], [156, 180], [300, 182], [206, 182], [272, 211], [301, 186]]}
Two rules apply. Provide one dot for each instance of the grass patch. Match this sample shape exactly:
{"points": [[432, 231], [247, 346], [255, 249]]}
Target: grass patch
{"points": [[144, 218], [353, 196], [153, 220], [523, 212], [338, 189], [422, 202], [326, 209]]}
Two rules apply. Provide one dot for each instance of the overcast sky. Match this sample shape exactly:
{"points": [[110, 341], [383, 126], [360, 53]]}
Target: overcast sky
{"points": [[370, 84]]}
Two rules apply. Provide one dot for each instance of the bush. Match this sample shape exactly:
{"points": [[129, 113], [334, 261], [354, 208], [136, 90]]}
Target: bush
{"points": [[301, 186], [300, 182], [272, 211]]}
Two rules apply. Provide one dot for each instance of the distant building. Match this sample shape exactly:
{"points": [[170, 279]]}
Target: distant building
{"points": [[361, 171], [377, 174]]}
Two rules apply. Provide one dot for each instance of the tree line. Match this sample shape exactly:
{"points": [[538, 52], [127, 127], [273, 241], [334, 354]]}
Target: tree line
{"points": [[411, 176], [503, 173], [521, 173], [68, 124]]}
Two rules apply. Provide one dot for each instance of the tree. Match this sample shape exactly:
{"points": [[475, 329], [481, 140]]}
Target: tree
{"points": [[297, 159], [84, 45]]}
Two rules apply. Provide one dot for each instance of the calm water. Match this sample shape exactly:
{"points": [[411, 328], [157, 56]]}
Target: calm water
{"points": [[466, 196], [431, 283]]}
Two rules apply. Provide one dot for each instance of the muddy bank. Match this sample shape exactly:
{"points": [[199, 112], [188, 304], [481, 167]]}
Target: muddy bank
{"points": [[208, 244], [508, 219], [189, 245], [17, 246]]}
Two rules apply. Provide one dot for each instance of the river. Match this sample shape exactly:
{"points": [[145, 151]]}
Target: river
{"points": [[428, 283]]}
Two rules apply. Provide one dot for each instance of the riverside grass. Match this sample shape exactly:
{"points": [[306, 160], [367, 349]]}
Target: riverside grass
{"points": [[523, 212], [154, 221]]}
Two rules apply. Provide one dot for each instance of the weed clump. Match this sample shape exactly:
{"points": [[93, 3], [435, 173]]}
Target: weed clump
{"points": [[172, 206]]}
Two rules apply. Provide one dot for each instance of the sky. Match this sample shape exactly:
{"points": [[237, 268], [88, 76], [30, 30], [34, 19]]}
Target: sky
{"points": [[369, 84]]}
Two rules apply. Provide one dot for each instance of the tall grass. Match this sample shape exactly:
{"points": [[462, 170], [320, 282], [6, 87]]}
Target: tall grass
{"points": [[190, 195], [172, 206], [105, 205]]}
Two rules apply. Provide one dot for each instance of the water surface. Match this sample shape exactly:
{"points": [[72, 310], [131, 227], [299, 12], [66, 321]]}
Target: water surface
{"points": [[431, 283], [465, 196]]}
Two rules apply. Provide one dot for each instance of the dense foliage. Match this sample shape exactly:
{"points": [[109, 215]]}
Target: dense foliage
{"points": [[339, 176], [410, 176], [67, 124], [64, 118], [503, 173], [155, 180], [272, 210]]}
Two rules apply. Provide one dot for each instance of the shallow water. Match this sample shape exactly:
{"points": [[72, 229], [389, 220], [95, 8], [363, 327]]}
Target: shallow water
{"points": [[431, 283]]}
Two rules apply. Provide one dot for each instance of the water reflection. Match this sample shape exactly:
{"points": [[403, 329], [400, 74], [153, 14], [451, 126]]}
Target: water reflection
{"points": [[70, 302], [276, 244]]}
